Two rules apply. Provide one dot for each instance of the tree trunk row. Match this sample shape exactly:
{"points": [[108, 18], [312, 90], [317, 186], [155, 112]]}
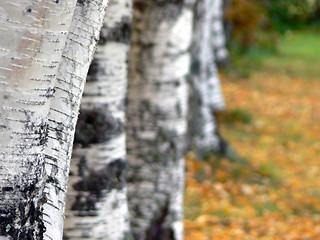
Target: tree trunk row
{"points": [[44, 59]]}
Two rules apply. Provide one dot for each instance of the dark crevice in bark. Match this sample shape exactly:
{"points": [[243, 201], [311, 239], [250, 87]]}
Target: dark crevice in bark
{"points": [[23, 219], [119, 33], [95, 184], [94, 69], [83, 2], [159, 228], [96, 126]]}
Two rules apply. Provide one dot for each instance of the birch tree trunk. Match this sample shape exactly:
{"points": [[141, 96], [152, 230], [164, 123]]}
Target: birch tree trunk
{"points": [[77, 55], [205, 91], [219, 41], [157, 117], [96, 200], [33, 34]]}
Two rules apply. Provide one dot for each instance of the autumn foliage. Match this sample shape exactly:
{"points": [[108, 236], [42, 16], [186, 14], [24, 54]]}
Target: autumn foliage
{"points": [[273, 193]]}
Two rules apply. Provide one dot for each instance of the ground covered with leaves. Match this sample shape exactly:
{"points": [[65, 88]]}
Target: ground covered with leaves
{"points": [[273, 121]]}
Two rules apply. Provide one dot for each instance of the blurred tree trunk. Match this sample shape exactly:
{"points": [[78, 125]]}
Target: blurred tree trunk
{"points": [[205, 91], [227, 24], [157, 116], [219, 38], [46, 51], [96, 199]]}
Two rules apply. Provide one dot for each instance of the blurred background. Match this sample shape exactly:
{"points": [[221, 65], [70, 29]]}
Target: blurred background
{"points": [[271, 88]]}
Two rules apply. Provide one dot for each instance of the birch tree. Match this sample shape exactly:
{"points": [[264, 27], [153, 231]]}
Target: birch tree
{"points": [[33, 34], [44, 59], [218, 40], [157, 116], [206, 97], [78, 52], [96, 199], [205, 91]]}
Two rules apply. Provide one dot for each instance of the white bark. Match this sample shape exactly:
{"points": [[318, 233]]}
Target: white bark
{"points": [[157, 110], [33, 34], [205, 92], [218, 39], [96, 199], [77, 54]]}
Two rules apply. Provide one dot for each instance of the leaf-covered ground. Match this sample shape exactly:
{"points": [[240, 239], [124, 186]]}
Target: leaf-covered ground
{"points": [[273, 120]]}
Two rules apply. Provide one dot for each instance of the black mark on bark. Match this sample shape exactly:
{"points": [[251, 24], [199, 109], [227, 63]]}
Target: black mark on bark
{"points": [[49, 93], [40, 129], [160, 228], [51, 179], [195, 66], [140, 5], [43, 133], [83, 2], [120, 33], [59, 130], [7, 189], [97, 183], [97, 126], [23, 219]]}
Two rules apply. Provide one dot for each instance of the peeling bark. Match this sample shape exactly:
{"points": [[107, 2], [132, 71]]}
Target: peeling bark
{"points": [[96, 200], [157, 116], [33, 34]]}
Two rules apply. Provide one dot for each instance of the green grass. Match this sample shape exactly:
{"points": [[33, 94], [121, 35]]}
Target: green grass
{"points": [[297, 55], [243, 64], [266, 208], [235, 116]]}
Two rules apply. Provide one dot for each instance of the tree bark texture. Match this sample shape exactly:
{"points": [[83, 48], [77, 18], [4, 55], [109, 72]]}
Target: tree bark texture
{"points": [[205, 91], [74, 64], [219, 41], [157, 116], [33, 34], [96, 199]]}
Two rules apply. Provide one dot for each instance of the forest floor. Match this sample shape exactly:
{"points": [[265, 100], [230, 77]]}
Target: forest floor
{"points": [[273, 121]]}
